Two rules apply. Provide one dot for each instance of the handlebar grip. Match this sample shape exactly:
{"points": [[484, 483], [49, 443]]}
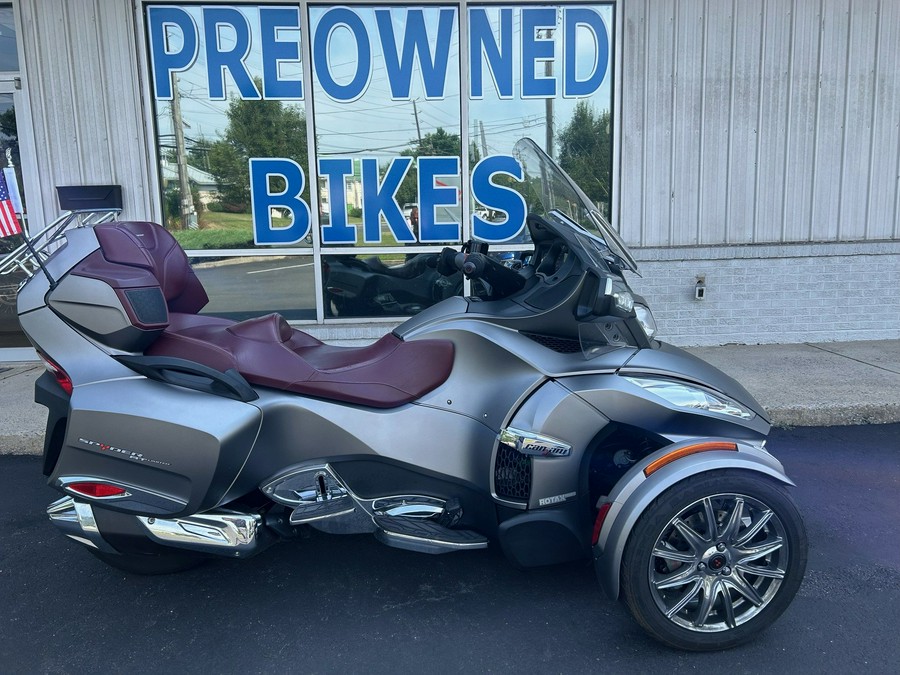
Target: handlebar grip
{"points": [[446, 262], [472, 265], [479, 266]]}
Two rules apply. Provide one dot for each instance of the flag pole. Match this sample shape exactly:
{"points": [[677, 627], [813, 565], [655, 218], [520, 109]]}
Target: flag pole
{"points": [[34, 254], [18, 209]]}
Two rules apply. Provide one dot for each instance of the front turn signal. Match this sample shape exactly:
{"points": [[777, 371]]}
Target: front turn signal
{"points": [[706, 446]]}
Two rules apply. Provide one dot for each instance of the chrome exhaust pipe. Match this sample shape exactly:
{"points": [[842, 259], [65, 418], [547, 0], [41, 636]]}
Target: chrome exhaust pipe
{"points": [[218, 532], [225, 533], [76, 520]]}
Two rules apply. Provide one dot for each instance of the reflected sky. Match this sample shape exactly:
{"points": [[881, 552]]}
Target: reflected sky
{"points": [[9, 57]]}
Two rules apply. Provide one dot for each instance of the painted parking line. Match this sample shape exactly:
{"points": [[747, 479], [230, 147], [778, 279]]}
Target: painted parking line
{"points": [[278, 269]]}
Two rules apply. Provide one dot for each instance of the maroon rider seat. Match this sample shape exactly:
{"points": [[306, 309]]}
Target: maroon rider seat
{"points": [[266, 350]]}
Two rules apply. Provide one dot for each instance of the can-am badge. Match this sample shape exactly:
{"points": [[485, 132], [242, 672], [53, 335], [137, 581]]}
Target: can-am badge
{"points": [[534, 445]]}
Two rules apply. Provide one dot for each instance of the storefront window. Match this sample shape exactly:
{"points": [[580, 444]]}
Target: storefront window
{"points": [[241, 287], [228, 89], [11, 334], [543, 72], [405, 153]]}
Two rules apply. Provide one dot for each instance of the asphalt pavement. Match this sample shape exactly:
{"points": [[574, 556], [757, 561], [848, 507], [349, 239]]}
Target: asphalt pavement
{"points": [[821, 384], [347, 604]]}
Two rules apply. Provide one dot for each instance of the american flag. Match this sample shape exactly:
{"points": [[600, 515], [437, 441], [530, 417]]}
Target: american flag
{"points": [[9, 224]]}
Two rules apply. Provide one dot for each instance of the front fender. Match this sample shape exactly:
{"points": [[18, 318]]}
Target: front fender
{"points": [[636, 490]]}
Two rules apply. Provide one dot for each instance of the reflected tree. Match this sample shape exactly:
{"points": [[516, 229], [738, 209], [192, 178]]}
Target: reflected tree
{"points": [[585, 152], [438, 143], [255, 129]]}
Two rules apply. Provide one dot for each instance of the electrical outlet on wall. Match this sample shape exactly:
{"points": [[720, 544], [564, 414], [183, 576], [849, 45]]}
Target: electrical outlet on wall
{"points": [[700, 287]]}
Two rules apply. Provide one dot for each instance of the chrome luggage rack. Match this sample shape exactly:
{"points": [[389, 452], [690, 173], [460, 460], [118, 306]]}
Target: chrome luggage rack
{"points": [[29, 257]]}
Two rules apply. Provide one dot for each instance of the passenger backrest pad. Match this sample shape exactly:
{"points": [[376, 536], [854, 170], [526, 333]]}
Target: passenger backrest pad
{"points": [[150, 246]]}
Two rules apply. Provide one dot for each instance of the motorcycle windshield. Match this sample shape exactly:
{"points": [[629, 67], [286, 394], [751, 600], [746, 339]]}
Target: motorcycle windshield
{"points": [[551, 194]]}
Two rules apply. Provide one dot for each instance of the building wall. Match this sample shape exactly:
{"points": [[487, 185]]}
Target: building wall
{"points": [[756, 121], [759, 146], [81, 78], [773, 293], [747, 123]]}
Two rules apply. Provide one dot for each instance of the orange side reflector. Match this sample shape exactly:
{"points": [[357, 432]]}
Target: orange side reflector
{"points": [[708, 446]]}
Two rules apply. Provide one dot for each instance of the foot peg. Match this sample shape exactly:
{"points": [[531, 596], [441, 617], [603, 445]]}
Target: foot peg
{"points": [[314, 493], [425, 536]]}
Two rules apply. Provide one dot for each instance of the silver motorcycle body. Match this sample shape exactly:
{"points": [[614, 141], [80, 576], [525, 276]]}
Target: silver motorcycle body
{"points": [[546, 420]]}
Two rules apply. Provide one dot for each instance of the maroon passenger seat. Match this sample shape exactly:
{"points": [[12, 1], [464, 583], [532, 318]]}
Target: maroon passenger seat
{"points": [[266, 350]]}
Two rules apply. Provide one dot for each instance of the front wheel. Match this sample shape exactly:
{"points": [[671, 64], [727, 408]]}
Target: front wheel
{"points": [[714, 560]]}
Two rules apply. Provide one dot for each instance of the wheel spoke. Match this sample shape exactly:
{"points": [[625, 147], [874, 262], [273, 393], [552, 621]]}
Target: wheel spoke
{"points": [[730, 621], [738, 583], [754, 529], [734, 521], [686, 598], [768, 572], [757, 552], [712, 527], [711, 589], [680, 578], [673, 554], [693, 538]]}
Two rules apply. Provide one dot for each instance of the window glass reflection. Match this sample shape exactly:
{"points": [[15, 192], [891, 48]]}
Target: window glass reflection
{"points": [[227, 83], [9, 56], [384, 285], [243, 287], [544, 72], [387, 120]]}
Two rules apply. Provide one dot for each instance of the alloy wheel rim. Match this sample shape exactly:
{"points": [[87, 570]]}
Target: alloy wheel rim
{"points": [[718, 563]]}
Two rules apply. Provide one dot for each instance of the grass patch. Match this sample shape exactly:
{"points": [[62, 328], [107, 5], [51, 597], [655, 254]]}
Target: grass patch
{"points": [[219, 230], [209, 239]]}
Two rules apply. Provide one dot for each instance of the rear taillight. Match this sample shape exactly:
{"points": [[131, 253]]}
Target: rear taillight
{"points": [[62, 377], [96, 490]]}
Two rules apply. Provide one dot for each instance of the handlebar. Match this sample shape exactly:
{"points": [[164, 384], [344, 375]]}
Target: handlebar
{"points": [[503, 280]]}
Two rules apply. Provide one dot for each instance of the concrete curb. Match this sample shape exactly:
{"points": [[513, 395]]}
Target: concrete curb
{"points": [[834, 416]]}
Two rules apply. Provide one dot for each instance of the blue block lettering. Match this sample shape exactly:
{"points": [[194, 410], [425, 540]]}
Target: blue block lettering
{"points": [[435, 194], [219, 59], [342, 17], [276, 52], [484, 51], [573, 18], [165, 60], [416, 45], [536, 49], [497, 198], [378, 199], [338, 230], [263, 201]]}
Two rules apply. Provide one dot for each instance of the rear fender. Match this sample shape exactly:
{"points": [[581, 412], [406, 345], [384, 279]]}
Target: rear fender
{"points": [[636, 490]]}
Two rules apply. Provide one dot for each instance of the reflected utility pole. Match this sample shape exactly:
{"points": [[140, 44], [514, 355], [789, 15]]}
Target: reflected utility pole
{"points": [[548, 102], [418, 130], [188, 217], [484, 151]]}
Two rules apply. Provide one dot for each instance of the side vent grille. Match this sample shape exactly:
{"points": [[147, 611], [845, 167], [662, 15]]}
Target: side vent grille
{"points": [[558, 344], [512, 474]]}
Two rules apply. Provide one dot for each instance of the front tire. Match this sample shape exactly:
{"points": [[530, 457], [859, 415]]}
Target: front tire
{"points": [[714, 560]]}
